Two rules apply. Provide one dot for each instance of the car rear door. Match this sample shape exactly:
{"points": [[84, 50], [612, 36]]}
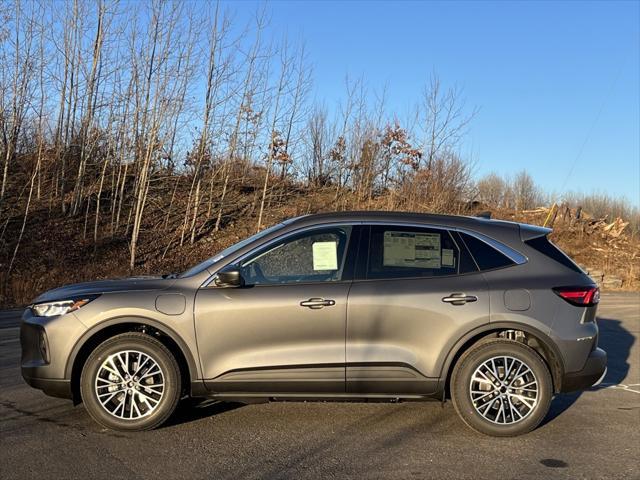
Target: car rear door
{"points": [[416, 292], [284, 331]]}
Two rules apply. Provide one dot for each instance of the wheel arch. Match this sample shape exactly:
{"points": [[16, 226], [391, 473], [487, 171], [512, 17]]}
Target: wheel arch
{"points": [[109, 328], [540, 342]]}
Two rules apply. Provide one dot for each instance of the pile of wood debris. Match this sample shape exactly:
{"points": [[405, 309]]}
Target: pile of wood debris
{"points": [[606, 248], [580, 220]]}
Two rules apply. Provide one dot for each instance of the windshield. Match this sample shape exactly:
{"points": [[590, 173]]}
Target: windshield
{"points": [[229, 250]]}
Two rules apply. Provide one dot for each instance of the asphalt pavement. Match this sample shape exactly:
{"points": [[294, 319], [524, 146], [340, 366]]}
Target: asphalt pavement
{"points": [[593, 434]]}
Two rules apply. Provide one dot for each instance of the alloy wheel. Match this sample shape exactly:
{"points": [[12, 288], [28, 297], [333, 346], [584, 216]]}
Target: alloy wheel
{"points": [[504, 390], [129, 384]]}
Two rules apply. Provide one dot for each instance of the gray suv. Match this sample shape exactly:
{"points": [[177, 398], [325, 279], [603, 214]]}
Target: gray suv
{"points": [[356, 305]]}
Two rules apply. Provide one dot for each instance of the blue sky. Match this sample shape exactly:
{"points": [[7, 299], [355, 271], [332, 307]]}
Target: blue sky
{"points": [[547, 77]]}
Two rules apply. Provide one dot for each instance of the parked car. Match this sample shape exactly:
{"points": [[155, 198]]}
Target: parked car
{"points": [[354, 305]]}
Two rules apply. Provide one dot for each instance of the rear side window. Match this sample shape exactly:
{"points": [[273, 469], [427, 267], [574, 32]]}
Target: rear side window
{"points": [[487, 257], [409, 252], [544, 246]]}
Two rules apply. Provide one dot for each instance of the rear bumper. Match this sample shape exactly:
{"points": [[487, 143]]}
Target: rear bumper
{"points": [[593, 371]]}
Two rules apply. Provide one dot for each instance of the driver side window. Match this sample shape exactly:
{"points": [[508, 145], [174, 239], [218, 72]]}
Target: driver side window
{"points": [[314, 256]]}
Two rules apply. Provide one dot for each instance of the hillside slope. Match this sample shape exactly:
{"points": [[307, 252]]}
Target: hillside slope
{"points": [[58, 249]]}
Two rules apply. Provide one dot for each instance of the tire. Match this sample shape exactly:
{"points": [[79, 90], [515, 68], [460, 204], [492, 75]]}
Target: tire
{"points": [[517, 403], [142, 401]]}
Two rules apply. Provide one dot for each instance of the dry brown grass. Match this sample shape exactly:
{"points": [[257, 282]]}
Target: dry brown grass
{"points": [[60, 256]]}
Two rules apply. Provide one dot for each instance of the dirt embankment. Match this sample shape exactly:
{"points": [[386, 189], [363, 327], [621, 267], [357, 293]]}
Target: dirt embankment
{"points": [[57, 249], [604, 247]]}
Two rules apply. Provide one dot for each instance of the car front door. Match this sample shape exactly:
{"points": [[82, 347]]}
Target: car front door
{"points": [[284, 330], [417, 293]]}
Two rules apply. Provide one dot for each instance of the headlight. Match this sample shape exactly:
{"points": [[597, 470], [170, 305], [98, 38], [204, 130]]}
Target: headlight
{"points": [[53, 309]]}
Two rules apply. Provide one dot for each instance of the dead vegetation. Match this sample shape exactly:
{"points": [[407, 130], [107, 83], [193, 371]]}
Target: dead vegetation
{"points": [[54, 251], [608, 249], [143, 137]]}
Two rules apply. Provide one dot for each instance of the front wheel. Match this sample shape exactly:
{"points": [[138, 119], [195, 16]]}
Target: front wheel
{"points": [[130, 382], [501, 388]]}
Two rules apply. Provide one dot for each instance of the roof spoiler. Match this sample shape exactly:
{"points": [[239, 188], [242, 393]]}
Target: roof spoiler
{"points": [[529, 232]]}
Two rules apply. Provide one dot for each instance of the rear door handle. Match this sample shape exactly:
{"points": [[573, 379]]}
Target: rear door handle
{"points": [[316, 303], [459, 299]]}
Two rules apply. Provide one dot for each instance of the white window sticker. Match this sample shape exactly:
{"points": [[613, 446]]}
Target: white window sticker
{"points": [[447, 257], [399, 248], [407, 249], [325, 256]]}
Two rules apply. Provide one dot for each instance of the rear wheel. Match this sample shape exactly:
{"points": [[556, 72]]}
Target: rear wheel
{"points": [[501, 388], [130, 382]]}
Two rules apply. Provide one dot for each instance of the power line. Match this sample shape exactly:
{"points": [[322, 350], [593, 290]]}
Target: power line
{"points": [[593, 125]]}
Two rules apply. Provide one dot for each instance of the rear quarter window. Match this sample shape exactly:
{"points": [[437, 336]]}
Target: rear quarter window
{"points": [[544, 246], [487, 257]]}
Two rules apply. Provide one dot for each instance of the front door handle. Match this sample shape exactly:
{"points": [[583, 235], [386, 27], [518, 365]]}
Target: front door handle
{"points": [[459, 299], [316, 303]]}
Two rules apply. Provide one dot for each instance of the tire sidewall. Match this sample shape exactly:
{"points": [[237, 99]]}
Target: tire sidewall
{"points": [[478, 355], [160, 355]]}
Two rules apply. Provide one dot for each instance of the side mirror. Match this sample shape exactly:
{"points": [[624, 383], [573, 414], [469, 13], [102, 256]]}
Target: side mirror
{"points": [[229, 277]]}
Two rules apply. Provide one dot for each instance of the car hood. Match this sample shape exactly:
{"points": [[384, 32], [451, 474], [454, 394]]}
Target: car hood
{"points": [[104, 286]]}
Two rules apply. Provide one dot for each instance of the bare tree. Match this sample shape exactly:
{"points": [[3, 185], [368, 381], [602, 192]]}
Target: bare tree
{"points": [[526, 194], [444, 119], [216, 75], [18, 72], [40, 133], [246, 113], [318, 170], [89, 103], [492, 190], [277, 146], [158, 79]]}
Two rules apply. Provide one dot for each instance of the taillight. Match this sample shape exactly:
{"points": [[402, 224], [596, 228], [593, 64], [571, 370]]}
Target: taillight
{"points": [[580, 296]]}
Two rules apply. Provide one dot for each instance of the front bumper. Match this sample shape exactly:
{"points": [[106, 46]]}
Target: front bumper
{"points": [[592, 372], [46, 343], [51, 387]]}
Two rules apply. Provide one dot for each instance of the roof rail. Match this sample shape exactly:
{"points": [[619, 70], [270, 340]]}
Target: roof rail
{"points": [[486, 214]]}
